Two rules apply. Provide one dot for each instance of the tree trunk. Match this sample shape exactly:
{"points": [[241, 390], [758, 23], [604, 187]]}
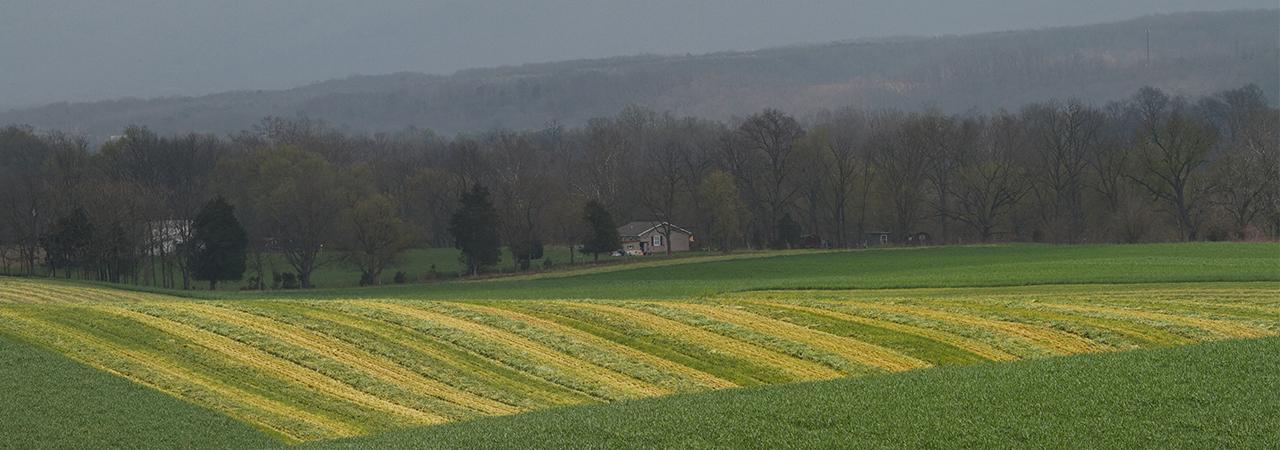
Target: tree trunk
{"points": [[946, 228], [1185, 226], [841, 232]]}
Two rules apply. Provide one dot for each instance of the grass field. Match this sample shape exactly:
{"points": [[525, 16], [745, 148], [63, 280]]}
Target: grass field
{"points": [[318, 365], [997, 265], [1165, 398], [415, 263], [418, 263], [53, 402], [313, 370]]}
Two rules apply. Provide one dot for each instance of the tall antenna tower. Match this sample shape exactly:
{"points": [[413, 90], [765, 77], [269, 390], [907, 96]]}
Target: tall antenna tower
{"points": [[1148, 46]]}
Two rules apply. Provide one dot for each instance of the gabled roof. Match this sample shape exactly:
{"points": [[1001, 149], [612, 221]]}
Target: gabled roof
{"points": [[642, 227]]}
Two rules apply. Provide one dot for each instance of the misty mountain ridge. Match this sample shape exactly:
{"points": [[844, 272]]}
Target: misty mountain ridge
{"points": [[1190, 54]]}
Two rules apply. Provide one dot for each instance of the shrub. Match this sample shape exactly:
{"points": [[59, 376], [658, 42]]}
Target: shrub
{"points": [[289, 280]]}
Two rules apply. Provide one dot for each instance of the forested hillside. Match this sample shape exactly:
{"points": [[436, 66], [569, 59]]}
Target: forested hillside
{"points": [[1190, 54]]}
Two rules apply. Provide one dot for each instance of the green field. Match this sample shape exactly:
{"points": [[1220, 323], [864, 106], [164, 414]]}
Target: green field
{"points": [[415, 263], [1219, 395], [418, 265], [53, 402], [318, 365], [996, 265]]}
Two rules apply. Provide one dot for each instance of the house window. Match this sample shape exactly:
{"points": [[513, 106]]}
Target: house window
{"points": [[657, 240]]}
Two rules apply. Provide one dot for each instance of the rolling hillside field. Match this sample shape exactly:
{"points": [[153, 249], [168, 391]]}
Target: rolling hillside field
{"points": [[1215, 395], [53, 402], [314, 366]]}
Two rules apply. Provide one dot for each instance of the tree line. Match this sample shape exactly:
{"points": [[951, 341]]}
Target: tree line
{"points": [[1152, 167]]}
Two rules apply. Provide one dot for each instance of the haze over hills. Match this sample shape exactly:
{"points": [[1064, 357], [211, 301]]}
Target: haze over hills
{"points": [[88, 50], [1190, 54]]}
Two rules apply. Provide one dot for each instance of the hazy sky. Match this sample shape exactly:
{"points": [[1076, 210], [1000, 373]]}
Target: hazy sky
{"points": [[53, 50]]}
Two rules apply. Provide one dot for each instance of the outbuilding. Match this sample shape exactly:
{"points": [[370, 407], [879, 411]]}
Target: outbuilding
{"points": [[647, 238], [877, 238]]}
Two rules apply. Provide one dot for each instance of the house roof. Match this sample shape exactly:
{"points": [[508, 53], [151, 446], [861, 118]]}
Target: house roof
{"points": [[642, 227]]}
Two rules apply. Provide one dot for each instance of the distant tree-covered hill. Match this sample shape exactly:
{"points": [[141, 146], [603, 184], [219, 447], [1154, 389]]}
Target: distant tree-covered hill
{"points": [[1191, 54]]}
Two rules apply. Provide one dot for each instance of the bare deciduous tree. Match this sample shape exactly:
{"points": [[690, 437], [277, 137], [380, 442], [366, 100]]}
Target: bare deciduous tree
{"points": [[1062, 137], [901, 161], [990, 180], [770, 138], [1173, 148]]}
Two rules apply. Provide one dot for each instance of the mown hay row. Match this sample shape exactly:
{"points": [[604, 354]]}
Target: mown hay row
{"points": [[789, 347], [96, 295], [638, 335], [26, 291], [850, 349], [136, 335], [253, 357], [24, 294], [351, 356], [964, 343], [702, 379], [449, 363], [311, 370], [569, 346], [1053, 340], [798, 368], [1242, 293], [1223, 328], [579, 390], [1247, 310], [171, 377], [365, 347], [1111, 332], [620, 385]]}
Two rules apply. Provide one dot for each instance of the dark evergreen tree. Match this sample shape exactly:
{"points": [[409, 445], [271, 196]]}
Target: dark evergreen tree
{"points": [[218, 243], [67, 246], [788, 232], [603, 237], [474, 228]]}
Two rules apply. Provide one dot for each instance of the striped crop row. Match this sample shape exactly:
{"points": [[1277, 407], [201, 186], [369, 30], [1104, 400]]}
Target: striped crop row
{"points": [[314, 370]]}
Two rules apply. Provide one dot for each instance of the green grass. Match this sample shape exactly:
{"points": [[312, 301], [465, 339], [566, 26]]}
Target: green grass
{"points": [[1211, 395], [50, 401], [417, 265], [333, 363], [975, 266], [1217, 395]]}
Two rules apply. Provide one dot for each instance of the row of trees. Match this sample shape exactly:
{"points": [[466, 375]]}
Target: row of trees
{"points": [[214, 252], [1150, 168]]}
